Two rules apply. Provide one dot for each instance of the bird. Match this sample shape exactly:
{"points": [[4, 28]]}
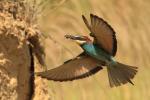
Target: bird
{"points": [[98, 53]]}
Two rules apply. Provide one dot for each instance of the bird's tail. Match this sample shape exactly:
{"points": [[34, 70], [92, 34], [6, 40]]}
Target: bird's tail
{"points": [[119, 73]]}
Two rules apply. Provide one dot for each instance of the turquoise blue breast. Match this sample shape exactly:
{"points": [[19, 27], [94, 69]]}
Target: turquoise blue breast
{"points": [[96, 52]]}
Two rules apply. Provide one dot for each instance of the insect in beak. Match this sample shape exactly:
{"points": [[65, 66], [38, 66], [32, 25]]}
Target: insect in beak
{"points": [[76, 37]]}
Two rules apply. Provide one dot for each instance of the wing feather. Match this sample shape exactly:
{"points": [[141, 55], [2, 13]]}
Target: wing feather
{"points": [[74, 69], [103, 33]]}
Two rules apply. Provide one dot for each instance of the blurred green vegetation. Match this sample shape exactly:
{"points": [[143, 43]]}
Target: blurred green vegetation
{"points": [[129, 18]]}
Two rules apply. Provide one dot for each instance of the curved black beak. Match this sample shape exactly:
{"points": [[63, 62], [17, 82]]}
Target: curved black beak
{"points": [[75, 37]]}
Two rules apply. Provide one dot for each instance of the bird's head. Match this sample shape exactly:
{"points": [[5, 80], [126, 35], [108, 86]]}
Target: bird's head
{"points": [[80, 39]]}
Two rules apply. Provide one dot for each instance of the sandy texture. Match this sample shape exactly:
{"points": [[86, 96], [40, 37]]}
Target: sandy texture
{"points": [[16, 34], [42, 92], [15, 65]]}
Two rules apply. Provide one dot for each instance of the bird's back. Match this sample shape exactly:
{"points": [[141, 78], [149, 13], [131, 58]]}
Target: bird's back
{"points": [[96, 52]]}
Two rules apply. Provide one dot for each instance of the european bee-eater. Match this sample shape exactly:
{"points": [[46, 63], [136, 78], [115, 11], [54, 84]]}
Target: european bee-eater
{"points": [[97, 53]]}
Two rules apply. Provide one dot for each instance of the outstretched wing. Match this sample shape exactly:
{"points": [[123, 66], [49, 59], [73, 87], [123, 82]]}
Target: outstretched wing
{"points": [[103, 33], [74, 69]]}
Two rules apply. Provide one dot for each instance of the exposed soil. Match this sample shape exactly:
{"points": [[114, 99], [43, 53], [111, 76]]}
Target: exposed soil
{"points": [[16, 57]]}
